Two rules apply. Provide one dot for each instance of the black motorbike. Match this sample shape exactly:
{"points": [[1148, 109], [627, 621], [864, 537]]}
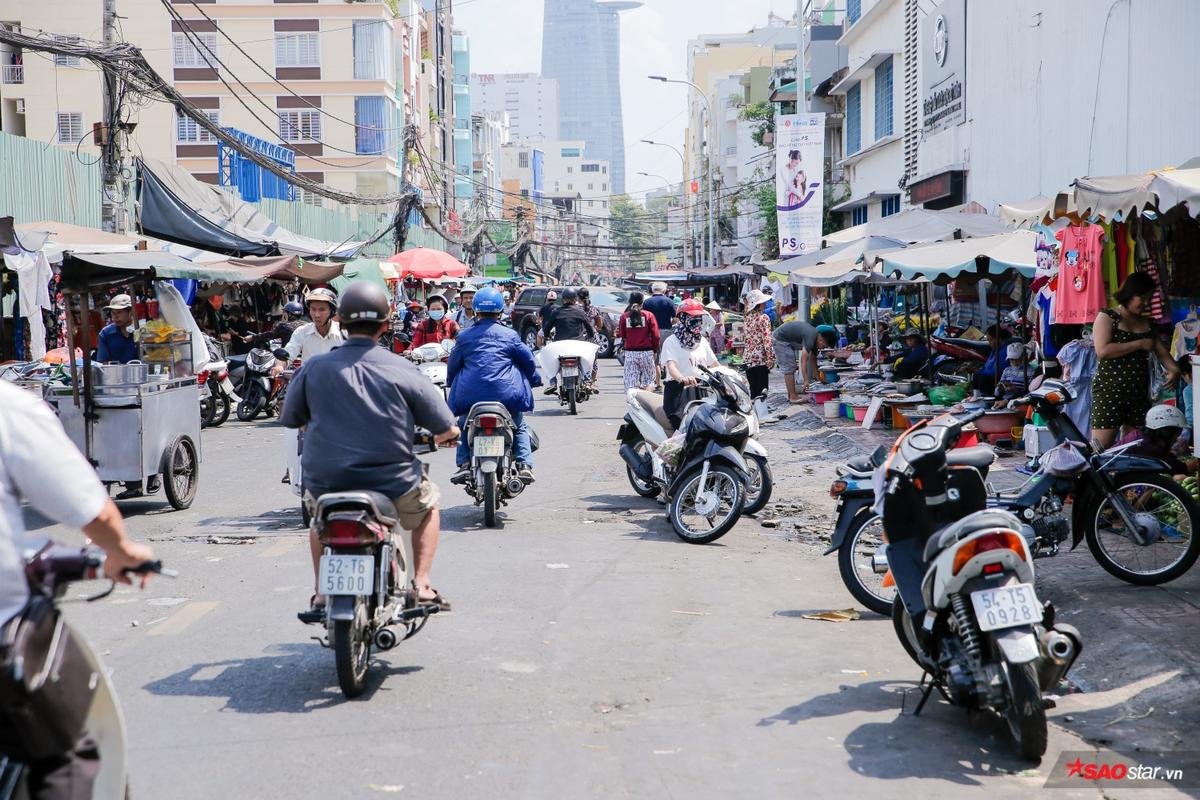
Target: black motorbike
{"points": [[260, 390]]}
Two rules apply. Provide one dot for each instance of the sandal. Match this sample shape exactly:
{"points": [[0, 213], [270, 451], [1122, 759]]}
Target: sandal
{"points": [[315, 613], [437, 600]]}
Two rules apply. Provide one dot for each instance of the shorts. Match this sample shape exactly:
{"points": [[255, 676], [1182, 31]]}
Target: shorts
{"points": [[787, 356], [413, 507]]}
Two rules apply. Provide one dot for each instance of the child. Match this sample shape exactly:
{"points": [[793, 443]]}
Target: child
{"points": [[1012, 379], [1161, 431]]}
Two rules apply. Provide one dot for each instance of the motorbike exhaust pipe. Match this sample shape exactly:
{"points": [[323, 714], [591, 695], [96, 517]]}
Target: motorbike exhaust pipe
{"points": [[385, 639], [640, 466], [879, 561], [514, 486], [1061, 645]]}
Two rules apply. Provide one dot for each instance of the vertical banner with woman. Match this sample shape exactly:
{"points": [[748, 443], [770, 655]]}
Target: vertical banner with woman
{"points": [[799, 174]]}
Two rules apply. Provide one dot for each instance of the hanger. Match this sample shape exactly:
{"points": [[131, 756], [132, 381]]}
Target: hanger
{"points": [[1191, 315]]}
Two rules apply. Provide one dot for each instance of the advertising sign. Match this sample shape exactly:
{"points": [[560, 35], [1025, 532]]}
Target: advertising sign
{"points": [[944, 66], [799, 173]]}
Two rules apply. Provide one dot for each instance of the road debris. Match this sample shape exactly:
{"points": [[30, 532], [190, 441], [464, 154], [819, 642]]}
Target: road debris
{"points": [[845, 615]]}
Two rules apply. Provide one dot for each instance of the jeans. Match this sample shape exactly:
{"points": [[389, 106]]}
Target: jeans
{"points": [[524, 450]]}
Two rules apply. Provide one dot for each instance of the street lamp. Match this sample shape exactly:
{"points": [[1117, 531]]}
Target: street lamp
{"points": [[682, 194], [704, 141]]}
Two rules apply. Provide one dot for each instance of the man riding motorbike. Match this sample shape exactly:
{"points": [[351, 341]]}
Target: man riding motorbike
{"points": [[491, 364], [360, 404], [322, 334], [283, 330], [568, 322], [41, 466]]}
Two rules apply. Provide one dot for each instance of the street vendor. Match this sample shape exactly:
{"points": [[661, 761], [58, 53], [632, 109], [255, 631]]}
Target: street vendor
{"points": [[915, 356], [796, 345], [116, 342], [322, 334], [714, 326]]}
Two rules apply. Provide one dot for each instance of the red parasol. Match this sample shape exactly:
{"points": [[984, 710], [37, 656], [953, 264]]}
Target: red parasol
{"points": [[427, 264]]}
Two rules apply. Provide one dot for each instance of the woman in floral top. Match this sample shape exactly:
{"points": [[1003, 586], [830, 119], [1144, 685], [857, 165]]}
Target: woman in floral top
{"points": [[759, 354]]}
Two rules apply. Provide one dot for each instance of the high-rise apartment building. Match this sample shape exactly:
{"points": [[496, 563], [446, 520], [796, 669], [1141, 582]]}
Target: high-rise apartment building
{"points": [[529, 100], [581, 49]]}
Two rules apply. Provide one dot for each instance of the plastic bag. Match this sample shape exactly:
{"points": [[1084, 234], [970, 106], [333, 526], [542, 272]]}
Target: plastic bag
{"points": [[1064, 459], [670, 450]]}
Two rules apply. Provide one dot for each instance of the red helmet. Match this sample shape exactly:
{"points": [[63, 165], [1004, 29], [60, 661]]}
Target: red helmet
{"points": [[691, 307]]}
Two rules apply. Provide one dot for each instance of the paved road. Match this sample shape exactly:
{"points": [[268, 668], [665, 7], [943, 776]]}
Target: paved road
{"points": [[589, 654]]}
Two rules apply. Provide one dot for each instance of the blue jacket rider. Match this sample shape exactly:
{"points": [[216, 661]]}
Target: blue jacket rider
{"points": [[490, 364]]}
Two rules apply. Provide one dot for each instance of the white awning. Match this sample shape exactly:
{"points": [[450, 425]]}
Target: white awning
{"points": [[1012, 250]]}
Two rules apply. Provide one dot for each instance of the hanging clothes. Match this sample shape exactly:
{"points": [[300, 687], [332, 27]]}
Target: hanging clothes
{"points": [[1185, 253], [1145, 249], [1184, 339], [1081, 292], [1078, 358], [33, 292], [1044, 318], [1121, 241], [1108, 259]]}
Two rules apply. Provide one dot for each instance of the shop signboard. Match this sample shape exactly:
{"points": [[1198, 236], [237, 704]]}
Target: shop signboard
{"points": [[799, 175], [944, 66]]}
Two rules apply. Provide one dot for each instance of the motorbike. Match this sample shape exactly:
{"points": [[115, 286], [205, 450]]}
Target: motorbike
{"points": [[431, 361], [492, 479], [63, 689], [217, 395], [570, 362], [366, 575], [966, 611], [262, 391], [1140, 525], [708, 487]]}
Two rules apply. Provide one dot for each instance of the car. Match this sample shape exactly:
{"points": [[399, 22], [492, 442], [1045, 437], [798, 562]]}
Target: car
{"points": [[609, 300]]}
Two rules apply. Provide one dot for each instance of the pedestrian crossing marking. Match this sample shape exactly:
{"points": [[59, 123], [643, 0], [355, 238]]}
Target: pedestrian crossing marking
{"points": [[183, 618]]}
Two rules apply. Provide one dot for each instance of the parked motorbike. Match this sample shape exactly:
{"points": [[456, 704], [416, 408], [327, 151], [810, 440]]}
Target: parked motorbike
{"points": [[57, 680], [967, 612], [1139, 523], [366, 575], [262, 391], [707, 491], [492, 479], [217, 395]]}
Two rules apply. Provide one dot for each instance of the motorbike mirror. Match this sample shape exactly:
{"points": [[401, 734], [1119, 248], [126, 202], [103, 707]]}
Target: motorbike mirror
{"points": [[447, 344], [280, 353]]}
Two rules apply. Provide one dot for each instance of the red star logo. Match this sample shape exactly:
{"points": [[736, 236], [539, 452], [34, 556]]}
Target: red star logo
{"points": [[1075, 768]]}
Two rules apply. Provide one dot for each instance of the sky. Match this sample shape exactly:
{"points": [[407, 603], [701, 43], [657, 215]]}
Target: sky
{"points": [[506, 36]]}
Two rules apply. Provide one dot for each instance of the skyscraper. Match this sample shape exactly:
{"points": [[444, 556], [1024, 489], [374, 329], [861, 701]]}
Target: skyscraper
{"points": [[581, 49]]}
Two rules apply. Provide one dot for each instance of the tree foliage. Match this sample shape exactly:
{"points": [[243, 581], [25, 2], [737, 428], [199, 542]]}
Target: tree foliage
{"points": [[762, 113], [630, 224]]}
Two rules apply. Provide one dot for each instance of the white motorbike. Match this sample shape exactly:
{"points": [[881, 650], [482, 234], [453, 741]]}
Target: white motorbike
{"points": [[431, 361], [647, 427], [569, 362]]}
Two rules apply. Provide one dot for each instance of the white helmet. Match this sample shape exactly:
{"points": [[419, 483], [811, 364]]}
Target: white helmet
{"points": [[1163, 416]]}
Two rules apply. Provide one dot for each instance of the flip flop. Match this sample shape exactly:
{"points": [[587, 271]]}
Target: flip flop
{"points": [[437, 600], [315, 613]]}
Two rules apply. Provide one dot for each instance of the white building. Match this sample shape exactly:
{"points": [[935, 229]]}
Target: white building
{"points": [[489, 133], [530, 101], [569, 172], [873, 160]]}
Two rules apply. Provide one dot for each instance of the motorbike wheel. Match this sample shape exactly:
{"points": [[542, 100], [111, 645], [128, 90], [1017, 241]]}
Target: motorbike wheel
{"points": [[352, 650], [854, 557], [208, 411], [222, 407], [686, 520], [571, 397], [902, 624], [1163, 505], [490, 497], [758, 491], [643, 488], [251, 404], [1025, 714]]}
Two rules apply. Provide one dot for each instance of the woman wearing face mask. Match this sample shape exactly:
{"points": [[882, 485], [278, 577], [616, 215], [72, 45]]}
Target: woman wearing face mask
{"points": [[682, 354], [436, 325]]}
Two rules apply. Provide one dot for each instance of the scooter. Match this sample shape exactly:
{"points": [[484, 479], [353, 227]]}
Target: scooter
{"points": [[431, 360], [262, 391], [492, 479], [56, 678], [366, 575], [217, 395], [705, 483], [967, 612], [570, 362]]}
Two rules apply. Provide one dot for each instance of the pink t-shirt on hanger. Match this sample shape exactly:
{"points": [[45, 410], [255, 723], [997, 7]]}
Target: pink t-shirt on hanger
{"points": [[1080, 276]]}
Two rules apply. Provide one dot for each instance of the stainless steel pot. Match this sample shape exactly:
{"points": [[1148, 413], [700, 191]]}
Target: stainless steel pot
{"points": [[119, 374]]}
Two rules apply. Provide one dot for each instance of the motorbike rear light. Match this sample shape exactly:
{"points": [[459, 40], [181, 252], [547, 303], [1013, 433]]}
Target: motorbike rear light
{"points": [[222, 375], [993, 569], [997, 540], [355, 530], [569, 362], [837, 488], [202, 377], [1055, 398]]}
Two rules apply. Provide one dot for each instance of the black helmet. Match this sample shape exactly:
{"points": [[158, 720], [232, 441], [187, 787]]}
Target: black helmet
{"points": [[363, 301], [570, 295]]}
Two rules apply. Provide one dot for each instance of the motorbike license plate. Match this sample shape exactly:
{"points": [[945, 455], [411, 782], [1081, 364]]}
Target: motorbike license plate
{"points": [[489, 446], [347, 575], [1006, 607], [570, 372]]}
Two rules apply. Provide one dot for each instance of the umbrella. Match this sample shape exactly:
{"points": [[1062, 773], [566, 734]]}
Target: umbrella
{"points": [[427, 264], [1000, 252]]}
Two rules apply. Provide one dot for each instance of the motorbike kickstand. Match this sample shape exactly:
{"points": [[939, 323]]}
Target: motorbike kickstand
{"points": [[926, 686], [321, 640]]}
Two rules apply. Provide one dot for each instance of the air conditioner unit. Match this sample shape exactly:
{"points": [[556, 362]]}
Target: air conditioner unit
{"points": [[21, 105]]}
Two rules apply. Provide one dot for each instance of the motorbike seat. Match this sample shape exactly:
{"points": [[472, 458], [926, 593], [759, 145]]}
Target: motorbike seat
{"points": [[978, 521], [489, 408], [980, 457], [380, 505], [653, 403]]}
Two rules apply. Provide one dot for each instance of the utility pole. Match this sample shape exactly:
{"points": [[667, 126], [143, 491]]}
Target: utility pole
{"points": [[112, 217]]}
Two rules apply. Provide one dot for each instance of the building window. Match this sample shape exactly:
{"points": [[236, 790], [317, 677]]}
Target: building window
{"points": [[591, 203], [853, 119], [188, 131], [891, 205], [570, 152], [373, 120], [604, 204], [590, 168], [61, 60], [372, 56], [300, 126], [590, 186], [523, 160], [604, 169], [524, 193], [70, 128], [184, 52], [604, 187], [309, 198], [299, 50], [883, 99], [853, 10], [570, 170], [858, 215], [570, 187]]}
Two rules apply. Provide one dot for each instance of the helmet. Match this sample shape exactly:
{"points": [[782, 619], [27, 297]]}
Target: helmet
{"points": [[293, 309], [440, 298], [692, 307], [1015, 350], [570, 295], [828, 331], [488, 301], [1165, 417], [551, 295], [364, 301], [468, 289], [506, 294], [324, 295], [583, 293]]}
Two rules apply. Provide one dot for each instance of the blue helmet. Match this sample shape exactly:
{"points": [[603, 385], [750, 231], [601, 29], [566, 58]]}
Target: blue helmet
{"points": [[488, 301], [293, 309]]}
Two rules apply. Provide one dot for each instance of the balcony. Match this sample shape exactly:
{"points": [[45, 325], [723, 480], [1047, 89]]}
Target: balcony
{"points": [[12, 73]]}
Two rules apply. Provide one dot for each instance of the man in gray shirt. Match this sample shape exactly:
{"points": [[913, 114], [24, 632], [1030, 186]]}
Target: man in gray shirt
{"points": [[799, 340], [359, 405]]}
